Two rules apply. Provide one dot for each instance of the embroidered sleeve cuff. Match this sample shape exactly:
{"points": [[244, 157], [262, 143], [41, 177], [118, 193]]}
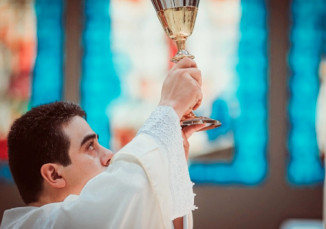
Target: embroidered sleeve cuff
{"points": [[164, 126]]}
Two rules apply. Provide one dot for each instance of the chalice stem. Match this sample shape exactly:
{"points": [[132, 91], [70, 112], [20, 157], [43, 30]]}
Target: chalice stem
{"points": [[182, 52], [181, 44]]}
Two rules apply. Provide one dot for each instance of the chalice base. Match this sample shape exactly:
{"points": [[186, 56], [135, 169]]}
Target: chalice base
{"points": [[181, 54], [193, 120]]}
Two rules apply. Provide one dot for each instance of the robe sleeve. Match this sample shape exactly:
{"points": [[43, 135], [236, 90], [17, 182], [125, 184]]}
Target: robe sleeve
{"points": [[164, 126]]}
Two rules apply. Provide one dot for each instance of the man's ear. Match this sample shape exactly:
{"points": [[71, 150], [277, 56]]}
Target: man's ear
{"points": [[51, 175]]}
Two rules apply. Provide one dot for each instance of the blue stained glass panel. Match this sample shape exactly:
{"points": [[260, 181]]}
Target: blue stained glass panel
{"points": [[99, 84], [305, 53], [47, 80], [249, 165]]}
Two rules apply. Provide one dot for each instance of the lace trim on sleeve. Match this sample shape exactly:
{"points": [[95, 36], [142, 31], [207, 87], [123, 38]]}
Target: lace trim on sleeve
{"points": [[164, 125]]}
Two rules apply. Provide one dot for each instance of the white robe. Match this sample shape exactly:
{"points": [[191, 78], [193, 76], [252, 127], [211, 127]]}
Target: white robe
{"points": [[147, 185]]}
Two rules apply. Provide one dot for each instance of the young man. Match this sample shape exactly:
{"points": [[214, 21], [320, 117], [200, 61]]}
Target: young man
{"points": [[68, 180]]}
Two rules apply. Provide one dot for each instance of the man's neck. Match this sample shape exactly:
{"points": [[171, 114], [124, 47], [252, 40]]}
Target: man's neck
{"points": [[42, 201], [36, 204], [48, 199]]}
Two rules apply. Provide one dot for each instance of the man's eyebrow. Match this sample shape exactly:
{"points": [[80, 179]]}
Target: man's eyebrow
{"points": [[88, 137]]}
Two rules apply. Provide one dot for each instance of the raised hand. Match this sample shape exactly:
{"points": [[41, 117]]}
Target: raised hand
{"points": [[182, 87]]}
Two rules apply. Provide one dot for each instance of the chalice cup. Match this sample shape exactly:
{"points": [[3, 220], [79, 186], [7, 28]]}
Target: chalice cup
{"points": [[178, 19]]}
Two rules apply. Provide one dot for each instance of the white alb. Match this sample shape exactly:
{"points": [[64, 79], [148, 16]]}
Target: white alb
{"points": [[147, 185]]}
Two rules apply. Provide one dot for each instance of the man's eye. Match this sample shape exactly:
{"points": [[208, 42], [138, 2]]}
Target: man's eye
{"points": [[90, 146]]}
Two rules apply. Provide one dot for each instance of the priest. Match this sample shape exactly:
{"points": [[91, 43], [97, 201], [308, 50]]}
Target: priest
{"points": [[68, 180]]}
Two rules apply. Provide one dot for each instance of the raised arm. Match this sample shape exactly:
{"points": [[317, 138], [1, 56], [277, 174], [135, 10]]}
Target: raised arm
{"points": [[147, 184]]}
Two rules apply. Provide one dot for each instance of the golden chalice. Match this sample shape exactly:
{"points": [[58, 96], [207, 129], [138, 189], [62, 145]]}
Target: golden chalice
{"points": [[178, 19]]}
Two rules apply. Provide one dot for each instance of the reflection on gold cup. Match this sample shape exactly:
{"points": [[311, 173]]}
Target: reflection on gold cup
{"points": [[178, 20]]}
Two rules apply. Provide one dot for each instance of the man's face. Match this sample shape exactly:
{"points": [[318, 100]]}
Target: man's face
{"points": [[88, 157]]}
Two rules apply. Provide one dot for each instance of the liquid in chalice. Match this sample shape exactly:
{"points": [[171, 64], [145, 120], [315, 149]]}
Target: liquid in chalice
{"points": [[178, 22]]}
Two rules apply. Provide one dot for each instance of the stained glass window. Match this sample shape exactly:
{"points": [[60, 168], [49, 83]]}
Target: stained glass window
{"points": [[17, 53], [48, 70], [249, 121], [126, 57], [308, 42], [99, 84], [229, 42], [28, 29]]}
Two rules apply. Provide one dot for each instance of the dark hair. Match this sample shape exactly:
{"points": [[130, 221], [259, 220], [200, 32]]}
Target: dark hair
{"points": [[36, 138]]}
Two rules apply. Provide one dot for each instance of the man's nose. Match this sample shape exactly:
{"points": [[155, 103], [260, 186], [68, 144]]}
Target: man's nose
{"points": [[106, 156]]}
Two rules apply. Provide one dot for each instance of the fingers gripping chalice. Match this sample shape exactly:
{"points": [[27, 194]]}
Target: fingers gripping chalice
{"points": [[178, 19]]}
